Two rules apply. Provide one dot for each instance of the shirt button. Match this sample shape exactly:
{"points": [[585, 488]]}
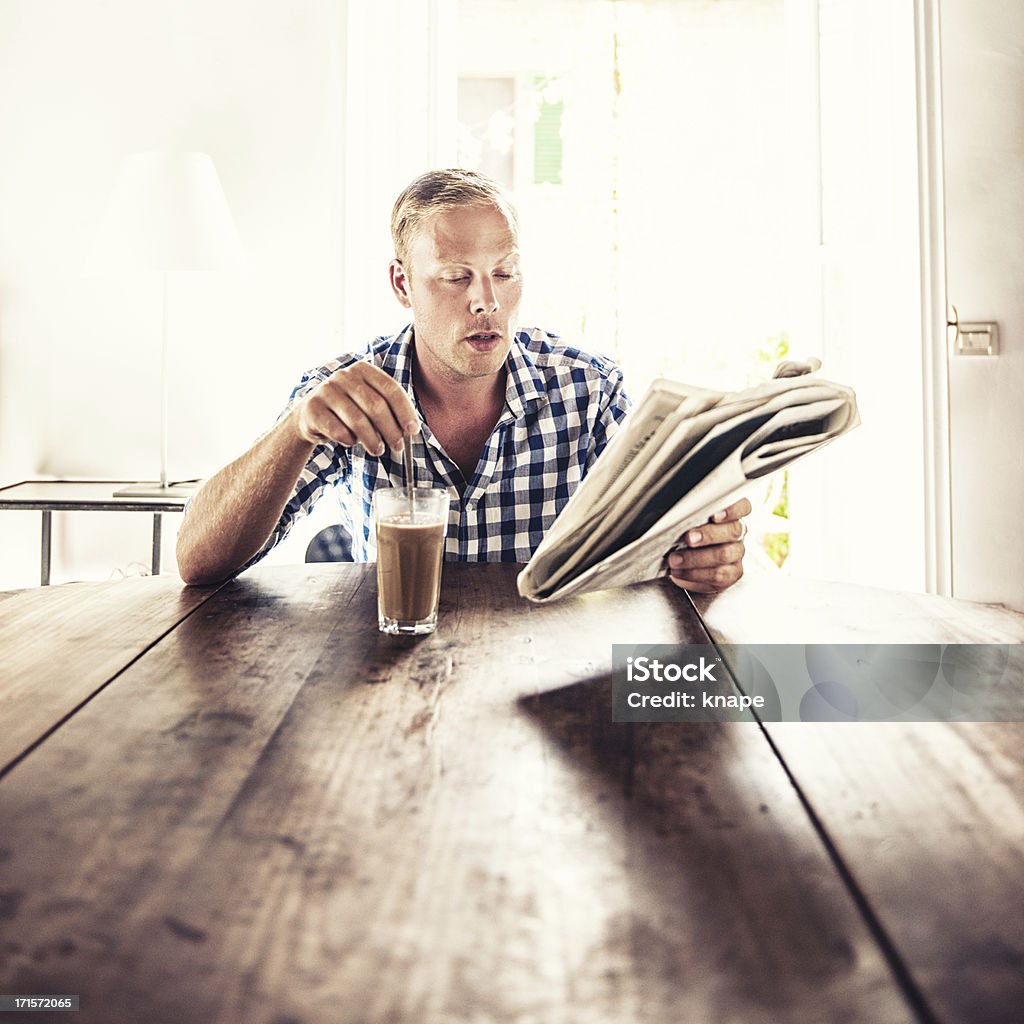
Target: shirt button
{"points": [[470, 505]]}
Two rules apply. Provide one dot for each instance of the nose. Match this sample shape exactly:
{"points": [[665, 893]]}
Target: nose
{"points": [[484, 299]]}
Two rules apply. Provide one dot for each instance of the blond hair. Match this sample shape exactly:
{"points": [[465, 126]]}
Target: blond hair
{"points": [[435, 191]]}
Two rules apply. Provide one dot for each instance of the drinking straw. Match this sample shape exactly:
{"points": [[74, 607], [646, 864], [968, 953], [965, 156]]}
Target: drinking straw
{"points": [[410, 475]]}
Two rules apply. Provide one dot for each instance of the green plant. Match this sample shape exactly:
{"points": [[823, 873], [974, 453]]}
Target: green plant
{"points": [[776, 496]]}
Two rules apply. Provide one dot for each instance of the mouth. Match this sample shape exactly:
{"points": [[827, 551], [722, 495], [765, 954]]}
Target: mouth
{"points": [[484, 341]]}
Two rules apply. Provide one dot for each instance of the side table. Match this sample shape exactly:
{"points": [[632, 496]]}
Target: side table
{"points": [[49, 496]]}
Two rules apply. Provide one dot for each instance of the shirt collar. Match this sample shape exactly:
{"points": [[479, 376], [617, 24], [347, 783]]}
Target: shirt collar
{"points": [[398, 358], [524, 384]]}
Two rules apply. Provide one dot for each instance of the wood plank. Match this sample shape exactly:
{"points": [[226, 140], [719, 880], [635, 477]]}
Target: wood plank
{"points": [[61, 644], [928, 817], [764, 608], [278, 814]]}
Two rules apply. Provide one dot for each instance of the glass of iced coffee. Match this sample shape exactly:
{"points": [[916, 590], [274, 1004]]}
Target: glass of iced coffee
{"points": [[410, 528]]}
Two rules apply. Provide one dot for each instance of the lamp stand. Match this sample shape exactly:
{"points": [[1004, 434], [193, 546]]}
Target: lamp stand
{"points": [[163, 489]]}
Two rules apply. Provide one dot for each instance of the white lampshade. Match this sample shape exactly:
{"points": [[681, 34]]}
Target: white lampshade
{"points": [[167, 212]]}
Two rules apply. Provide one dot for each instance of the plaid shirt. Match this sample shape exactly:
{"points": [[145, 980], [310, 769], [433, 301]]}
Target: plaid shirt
{"points": [[562, 407]]}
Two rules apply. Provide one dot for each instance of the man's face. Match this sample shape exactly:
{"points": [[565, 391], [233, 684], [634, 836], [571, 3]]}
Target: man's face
{"points": [[463, 285]]}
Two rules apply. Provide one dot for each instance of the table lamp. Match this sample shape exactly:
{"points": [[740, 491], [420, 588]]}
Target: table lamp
{"points": [[167, 213]]}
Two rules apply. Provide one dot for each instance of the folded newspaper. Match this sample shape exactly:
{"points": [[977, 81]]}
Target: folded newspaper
{"points": [[681, 454]]}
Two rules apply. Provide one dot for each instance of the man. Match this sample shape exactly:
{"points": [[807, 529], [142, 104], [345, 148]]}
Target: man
{"points": [[508, 420]]}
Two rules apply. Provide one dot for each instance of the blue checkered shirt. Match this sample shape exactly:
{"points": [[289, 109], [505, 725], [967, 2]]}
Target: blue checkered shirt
{"points": [[562, 407]]}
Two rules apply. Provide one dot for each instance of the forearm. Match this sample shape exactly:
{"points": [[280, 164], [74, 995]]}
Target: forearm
{"points": [[232, 515]]}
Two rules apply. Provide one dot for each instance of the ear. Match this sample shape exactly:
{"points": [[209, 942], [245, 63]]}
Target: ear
{"points": [[399, 283]]}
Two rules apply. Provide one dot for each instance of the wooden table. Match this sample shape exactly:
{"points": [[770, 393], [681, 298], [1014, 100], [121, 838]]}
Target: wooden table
{"points": [[244, 804], [49, 496]]}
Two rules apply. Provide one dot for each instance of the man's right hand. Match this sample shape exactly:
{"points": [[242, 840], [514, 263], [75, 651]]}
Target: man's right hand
{"points": [[231, 516], [360, 404]]}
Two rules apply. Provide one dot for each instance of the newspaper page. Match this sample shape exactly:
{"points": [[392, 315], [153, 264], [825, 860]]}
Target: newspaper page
{"points": [[681, 454]]}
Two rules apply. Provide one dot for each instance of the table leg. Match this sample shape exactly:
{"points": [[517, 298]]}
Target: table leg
{"points": [[44, 555], [157, 541]]}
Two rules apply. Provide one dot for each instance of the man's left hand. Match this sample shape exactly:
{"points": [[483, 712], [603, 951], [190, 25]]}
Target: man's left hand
{"points": [[712, 556]]}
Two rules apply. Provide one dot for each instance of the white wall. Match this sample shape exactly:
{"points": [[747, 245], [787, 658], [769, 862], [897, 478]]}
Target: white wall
{"points": [[983, 125], [259, 85]]}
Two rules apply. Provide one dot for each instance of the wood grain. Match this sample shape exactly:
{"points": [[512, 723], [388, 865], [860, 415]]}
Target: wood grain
{"points": [[280, 815], [928, 818], [61, 644], [771, 609]]}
